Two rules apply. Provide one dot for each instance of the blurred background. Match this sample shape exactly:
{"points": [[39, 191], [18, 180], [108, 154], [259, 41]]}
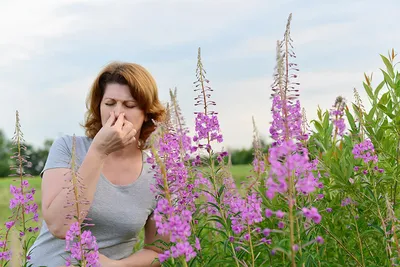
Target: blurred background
{"points": [[52, 50]]}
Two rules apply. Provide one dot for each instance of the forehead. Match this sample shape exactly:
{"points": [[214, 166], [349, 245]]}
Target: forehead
{"points": [[117, 91]]}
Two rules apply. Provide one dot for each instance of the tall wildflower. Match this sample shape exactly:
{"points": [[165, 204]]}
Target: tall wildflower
{"points": [[360, 110], [258, 155], [80, 243], [290, 169], [173, 214], [218, 187], [206, 122], [24, 216], [337, 117]]}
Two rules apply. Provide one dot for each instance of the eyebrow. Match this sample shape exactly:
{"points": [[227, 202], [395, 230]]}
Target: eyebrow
{"points": [[129, 100]]}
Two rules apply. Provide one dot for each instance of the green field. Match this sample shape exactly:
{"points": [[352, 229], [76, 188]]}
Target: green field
{"points": [[239, 172]]}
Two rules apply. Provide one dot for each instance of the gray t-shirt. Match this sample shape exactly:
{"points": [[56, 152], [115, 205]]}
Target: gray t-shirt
{"points": [[117, 212]]}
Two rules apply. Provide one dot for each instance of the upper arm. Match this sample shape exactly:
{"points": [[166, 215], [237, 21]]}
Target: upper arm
{"points": [[151, 235], [55, 172]]}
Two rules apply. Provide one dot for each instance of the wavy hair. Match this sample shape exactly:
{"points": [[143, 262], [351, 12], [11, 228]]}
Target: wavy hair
{"points": [[143, 89]]}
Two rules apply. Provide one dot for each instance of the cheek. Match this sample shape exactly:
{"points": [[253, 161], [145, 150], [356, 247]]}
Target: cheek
{"points": [[104, 114]]}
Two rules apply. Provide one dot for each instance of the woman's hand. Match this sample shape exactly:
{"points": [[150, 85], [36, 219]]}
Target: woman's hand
{"points": [[114, 136]]}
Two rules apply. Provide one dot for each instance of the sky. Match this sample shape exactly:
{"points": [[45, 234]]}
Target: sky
{"points": [[50, 52]]}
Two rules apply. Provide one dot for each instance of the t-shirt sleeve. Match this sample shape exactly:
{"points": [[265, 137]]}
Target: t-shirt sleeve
{"points": [[59, 154]]}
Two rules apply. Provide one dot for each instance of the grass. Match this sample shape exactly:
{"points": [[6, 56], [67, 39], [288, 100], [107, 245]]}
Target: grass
{"points": [[5, 195], [239, 172]]}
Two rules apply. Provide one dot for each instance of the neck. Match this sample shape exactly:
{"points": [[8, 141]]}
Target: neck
{"points": [[128, 152]]}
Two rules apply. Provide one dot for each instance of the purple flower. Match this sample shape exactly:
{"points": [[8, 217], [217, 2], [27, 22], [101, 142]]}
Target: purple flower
{"points": [[347, 201], [9, 224], [287, 120], [266, 231], [6, 255], [249, 211], [85, 250], [285, 160], [365, 150], [337, 113], [328, 209], [268, 213], [279, 214], [312, 214]]}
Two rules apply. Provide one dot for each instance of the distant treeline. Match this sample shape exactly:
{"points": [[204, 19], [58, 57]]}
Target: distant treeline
{"points": [[37, 156]]}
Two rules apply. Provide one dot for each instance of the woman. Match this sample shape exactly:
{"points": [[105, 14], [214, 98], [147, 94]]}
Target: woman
{"points": [[122, 104]]}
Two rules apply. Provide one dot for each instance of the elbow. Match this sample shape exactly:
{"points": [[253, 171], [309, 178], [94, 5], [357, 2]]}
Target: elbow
{"points": [[58, 231]]}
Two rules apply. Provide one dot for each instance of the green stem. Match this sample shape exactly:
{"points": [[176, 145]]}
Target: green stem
{"points": [[291, 221], [251, 246], [184, 262], [387, 246], [338, 241], [358, 237]]}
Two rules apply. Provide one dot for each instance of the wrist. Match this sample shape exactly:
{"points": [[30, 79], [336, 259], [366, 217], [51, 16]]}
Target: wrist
{"points": [[118, 263], [96, 152]]}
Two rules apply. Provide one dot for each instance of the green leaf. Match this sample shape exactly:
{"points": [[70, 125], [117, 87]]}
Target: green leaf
{"points": [[371, 113], [378, 89], [388, 80], [318, 126], [350, 118], [378, 228], [384, 99], [220, 191], [368, 90], [326, 121], [388, 65], [397, 89], [384, 109], [217, 219]]}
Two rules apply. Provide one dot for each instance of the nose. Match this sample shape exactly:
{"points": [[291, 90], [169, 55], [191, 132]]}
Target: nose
{"points": [[118, 109]]}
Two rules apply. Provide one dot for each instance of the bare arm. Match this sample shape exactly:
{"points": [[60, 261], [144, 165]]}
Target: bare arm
{"points": [[55, 198], [55, 194], [146, 256]]}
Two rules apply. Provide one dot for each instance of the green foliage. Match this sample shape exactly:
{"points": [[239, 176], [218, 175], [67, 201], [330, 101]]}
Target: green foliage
{"points": [[36, 156], [366, 233]]}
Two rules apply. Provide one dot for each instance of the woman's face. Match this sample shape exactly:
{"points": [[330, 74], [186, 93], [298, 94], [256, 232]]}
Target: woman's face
{"points": [[118, 99]]}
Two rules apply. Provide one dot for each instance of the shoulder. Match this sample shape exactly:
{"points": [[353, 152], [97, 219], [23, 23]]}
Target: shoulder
{"points": [[146, 153], [62, 146], [68, 140]]}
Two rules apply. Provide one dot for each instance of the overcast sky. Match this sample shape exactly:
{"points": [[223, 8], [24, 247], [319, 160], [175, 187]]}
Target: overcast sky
{"points": [[51, 50]]}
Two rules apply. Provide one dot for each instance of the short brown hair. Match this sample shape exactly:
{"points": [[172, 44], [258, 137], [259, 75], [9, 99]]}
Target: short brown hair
{"points": [[143, 89]]}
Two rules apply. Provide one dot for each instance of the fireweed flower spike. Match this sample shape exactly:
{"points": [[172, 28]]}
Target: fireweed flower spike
{"points": [[24, 216], [290, 168], [171, 149], [80, 243], [221, 192], [337, 113], [172, 217]]}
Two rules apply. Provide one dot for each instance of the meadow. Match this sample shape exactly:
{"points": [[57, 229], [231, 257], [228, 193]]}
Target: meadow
{"points": [[324, 194], [239, 173]]}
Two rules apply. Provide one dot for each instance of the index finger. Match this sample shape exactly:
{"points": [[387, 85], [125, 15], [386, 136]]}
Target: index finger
{"points": [[120, 121]]}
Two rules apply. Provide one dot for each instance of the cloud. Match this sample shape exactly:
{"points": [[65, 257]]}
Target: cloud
{"points": [[30, 28], [54, 49]]}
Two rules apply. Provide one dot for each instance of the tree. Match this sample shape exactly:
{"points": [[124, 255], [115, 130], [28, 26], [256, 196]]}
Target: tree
{"points": [[5, 155]]}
